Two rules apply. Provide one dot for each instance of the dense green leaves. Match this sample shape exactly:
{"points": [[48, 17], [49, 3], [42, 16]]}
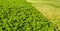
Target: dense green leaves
{"points": [[22, 16]]}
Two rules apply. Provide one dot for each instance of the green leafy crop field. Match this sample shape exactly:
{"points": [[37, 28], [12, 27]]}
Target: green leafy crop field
{"points": [[49, 8], [19, 15]]}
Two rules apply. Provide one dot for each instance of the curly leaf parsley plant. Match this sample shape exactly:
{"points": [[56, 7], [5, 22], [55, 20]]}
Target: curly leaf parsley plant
{"points": [[19, 15]]}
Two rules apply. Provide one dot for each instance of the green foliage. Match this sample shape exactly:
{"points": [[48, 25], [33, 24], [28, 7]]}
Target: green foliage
{"points": [[22, 16]]}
